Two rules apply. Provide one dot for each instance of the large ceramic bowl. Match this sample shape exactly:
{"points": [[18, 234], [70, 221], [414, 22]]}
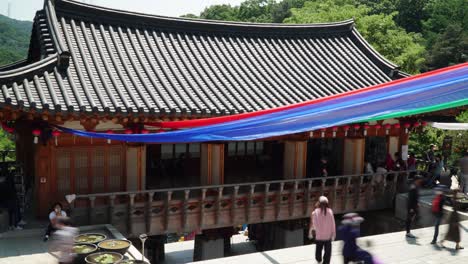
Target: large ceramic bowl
{"points": [[115, 245], [82, 250], [90, 238], [104, 258]]}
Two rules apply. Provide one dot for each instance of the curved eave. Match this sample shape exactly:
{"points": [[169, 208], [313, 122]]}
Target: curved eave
{"points": [[27, 70], [73, 8], [384, 64]]}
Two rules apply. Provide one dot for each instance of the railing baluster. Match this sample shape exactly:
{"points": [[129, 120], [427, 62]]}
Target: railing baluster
{"points": [[323, 186], [234, 205], [218, 204], [168, 209], [92, 200], [346, 193], [185, 210], [307, 198], [130, 212], [292, 198], [202, 207], [265, 200], [249, 202], [278, 200], [335, 190], [111, 209], [149, 204]]}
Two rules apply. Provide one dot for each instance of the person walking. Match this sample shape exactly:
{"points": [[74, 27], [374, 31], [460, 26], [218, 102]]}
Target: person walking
{"points": [[453, 233], [349, 232], [323, 223], [413, 197], [438, 211]]}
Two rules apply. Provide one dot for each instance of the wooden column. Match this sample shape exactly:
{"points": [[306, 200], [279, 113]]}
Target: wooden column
{"points": [[354, 149], [295, 159], [212, 164], [136, 168], [44, 182]]}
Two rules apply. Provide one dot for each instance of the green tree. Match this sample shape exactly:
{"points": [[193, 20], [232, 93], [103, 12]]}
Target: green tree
{"points": [[14, 39], [381, 31], [442, 13], [449, 48], [379, 6], [221, 12], [411, 14]]}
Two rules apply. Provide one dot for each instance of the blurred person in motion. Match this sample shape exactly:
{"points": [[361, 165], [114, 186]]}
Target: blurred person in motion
{"points": [[453, 233], [438, 210], [413, 198], [323, 223], [62, 240]]}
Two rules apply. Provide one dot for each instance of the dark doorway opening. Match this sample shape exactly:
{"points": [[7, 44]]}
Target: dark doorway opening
{"points": [[330, 149], [172, 165], [253, 161]]}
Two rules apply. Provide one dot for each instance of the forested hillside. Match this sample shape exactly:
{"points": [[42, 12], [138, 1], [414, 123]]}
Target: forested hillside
{"points": [[14, 39]]}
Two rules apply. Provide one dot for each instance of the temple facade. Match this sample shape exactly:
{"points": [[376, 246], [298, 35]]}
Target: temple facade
{"points": [[97, 69]]}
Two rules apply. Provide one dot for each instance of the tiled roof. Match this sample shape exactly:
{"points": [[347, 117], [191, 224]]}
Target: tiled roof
{"points": [[94, 59]]}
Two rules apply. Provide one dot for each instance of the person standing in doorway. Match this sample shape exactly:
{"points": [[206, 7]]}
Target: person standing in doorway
{"points": [[323, 223], [413, 198], [438, 211], [324, 167]]}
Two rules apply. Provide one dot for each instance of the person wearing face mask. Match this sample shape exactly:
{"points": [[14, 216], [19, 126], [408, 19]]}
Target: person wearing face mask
{"points": [[57, 212]]}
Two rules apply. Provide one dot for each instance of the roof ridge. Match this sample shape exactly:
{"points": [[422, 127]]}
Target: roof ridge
{"points": [[129, 16]]}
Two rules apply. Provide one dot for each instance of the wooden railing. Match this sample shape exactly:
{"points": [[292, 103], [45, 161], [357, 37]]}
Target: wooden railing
{"points": [[179, 210]]}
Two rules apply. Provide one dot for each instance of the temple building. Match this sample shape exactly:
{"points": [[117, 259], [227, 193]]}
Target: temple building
{"points": [[92, 68]]}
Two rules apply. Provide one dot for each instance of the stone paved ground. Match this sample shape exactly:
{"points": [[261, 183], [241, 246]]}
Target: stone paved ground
{"points": [[27, 247], [389, 248]]}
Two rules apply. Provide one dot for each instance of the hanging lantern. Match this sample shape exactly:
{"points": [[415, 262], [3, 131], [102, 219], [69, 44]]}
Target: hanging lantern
{"points": [[366, 126], [56, 134], [387, 128], [322, 132], [334, 129], [128, 131], [36, 133], [161, 130], [407, 126], [356, 128], [110, 132], [423, 123], [397, 126], [346, 129], [144, 131], [377, 127]]}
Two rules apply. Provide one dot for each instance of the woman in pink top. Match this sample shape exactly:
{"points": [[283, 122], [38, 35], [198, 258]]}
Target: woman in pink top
{"points": [[322, 222]]}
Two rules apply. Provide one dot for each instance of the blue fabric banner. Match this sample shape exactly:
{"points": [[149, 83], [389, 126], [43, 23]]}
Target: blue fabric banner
{"points": [[439, 88]]}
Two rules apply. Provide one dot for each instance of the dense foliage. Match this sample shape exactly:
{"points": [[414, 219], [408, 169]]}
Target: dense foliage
{"points": [[418, 35], [14, 39]]}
